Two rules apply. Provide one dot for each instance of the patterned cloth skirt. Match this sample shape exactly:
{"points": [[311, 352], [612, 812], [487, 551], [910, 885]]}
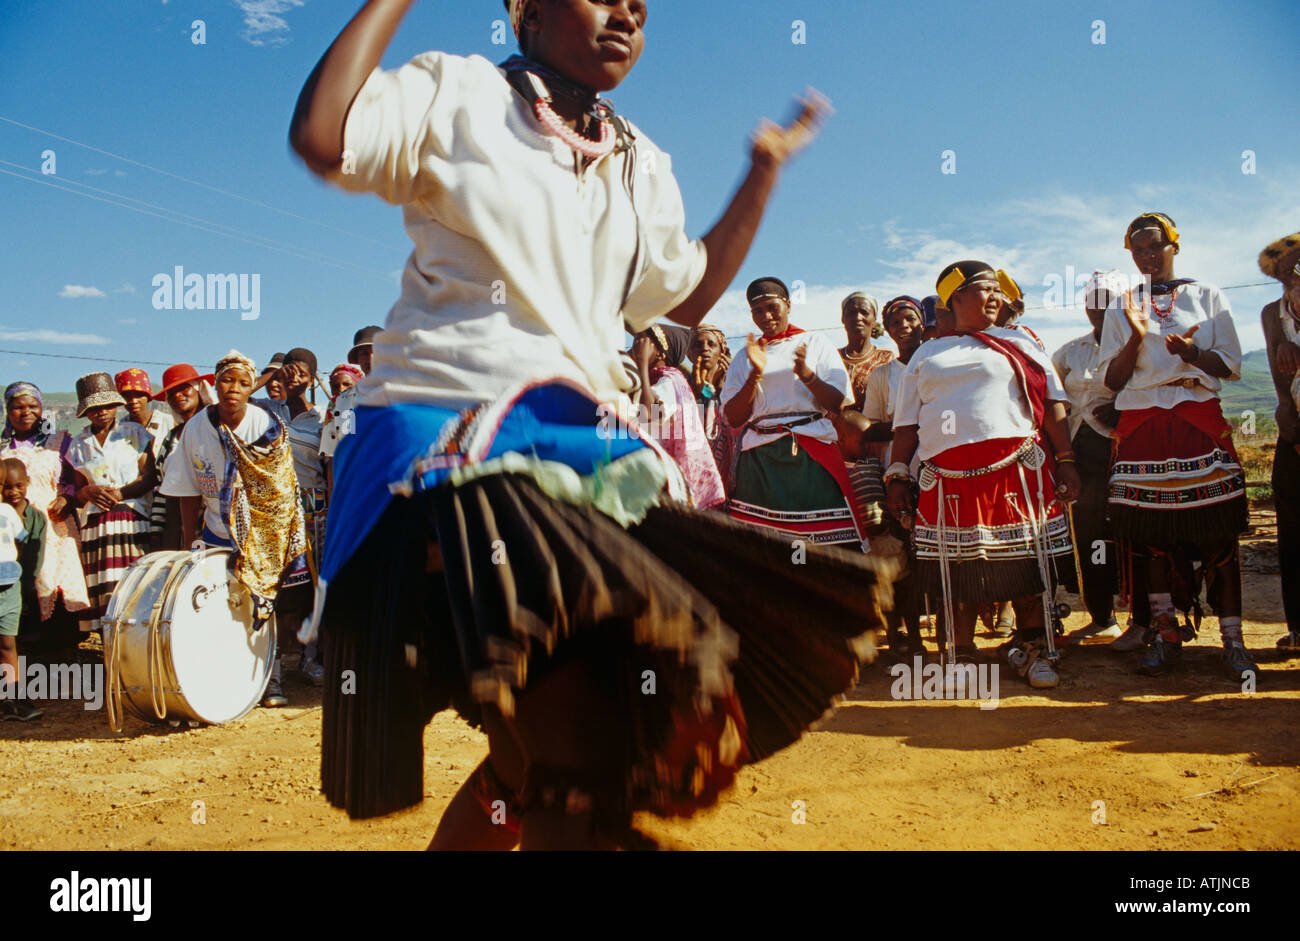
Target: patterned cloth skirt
{"points": [[782, 486], [981, 515], [1176, 478], [110, 544], [684, 645]]}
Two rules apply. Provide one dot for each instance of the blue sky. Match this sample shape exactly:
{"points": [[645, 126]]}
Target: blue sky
{"points": [[1058, 142]]}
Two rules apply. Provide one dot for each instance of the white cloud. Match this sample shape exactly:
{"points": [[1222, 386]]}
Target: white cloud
{"points": [[78, 290], [94, 172], [128, 321], [126, 288], [119, 173], [1047, 239], [23, 362], [263, 26], [52, 336]]}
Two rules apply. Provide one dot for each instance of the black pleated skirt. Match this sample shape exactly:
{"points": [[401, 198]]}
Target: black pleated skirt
{"points": [[711, 643]]}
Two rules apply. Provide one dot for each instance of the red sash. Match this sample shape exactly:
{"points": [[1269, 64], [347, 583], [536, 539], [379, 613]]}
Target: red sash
{"points": [[1029, 374], [789, 331]]}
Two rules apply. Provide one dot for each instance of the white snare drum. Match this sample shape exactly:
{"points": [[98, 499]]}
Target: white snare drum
{"points": [[179, 641]]}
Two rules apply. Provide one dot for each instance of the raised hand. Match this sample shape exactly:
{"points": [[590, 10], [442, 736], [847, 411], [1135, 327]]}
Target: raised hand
{"points": [[774, 145], [1137, 316], [801, 368], [1180, 343]]}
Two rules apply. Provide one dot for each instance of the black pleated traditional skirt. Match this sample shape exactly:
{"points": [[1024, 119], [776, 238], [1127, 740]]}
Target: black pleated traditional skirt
{"points": [[712, 644]]}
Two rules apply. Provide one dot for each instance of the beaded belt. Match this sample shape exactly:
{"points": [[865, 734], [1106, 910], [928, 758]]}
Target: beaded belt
{"points": [[800, 418], [1029, 454], [1189, 383]]}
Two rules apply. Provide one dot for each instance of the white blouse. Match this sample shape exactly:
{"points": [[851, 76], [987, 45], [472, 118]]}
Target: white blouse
{"points": [[882, 391], [521, 262], [115, 463], [780, 390], [1077, 365], [1161, 379], [958, 390]]}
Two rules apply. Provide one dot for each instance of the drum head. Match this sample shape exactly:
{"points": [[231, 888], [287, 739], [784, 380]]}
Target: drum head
{"points": [[220, 663]]}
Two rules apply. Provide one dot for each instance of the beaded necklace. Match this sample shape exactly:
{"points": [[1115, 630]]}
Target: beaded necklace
{"points": [[544, 84]]}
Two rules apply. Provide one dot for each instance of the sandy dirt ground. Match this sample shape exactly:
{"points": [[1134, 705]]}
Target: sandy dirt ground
{"points": [[1110, 760]]}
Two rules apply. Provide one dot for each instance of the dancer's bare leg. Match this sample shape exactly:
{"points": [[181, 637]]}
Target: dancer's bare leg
{"points": [[464, 824]]}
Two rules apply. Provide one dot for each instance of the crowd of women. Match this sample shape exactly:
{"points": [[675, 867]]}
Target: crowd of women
{"points": [[988, 468], [201, 461]]}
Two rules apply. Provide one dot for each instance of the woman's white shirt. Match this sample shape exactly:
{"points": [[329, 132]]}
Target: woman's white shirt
{"points": [[781, 391], [958, 390], [1161, 379], [520, 264]]}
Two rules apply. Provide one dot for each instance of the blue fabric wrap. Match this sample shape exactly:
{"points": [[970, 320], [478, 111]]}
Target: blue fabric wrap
{"points": [[550, 422]]}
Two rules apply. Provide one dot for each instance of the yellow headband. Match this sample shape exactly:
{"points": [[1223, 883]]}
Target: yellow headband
{"points": [[950, 284], [1166, 224], [1008, 286], [955, 280]]}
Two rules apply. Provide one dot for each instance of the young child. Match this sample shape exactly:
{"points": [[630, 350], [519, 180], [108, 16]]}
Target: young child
{"points": [[19, 522]]}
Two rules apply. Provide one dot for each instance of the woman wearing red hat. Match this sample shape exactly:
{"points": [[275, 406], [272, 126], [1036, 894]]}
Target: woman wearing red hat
{"points": [[185, 392], [135, 388]]}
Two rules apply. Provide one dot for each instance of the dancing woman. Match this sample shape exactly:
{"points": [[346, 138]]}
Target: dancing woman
{"points": [[492, 546], [984, 412], [1177, 489]]}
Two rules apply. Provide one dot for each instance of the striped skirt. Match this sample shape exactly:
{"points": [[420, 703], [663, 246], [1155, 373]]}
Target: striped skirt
{"points": [[1175, 477], [110, 544], [786, 489], [995, 526]]}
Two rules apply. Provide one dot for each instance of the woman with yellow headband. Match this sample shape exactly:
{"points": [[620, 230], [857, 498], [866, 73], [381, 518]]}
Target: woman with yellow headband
{"points": [[499, 541], [984, 412], [1177, 489]]}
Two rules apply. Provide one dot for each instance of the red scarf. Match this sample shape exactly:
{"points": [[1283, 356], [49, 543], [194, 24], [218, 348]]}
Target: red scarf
{"points": [[789, 331], [1029, 374]]}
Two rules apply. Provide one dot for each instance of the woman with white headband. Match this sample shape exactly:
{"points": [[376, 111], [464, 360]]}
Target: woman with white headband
{"points": [[500, 541], [233, 472], [1177, 489]]}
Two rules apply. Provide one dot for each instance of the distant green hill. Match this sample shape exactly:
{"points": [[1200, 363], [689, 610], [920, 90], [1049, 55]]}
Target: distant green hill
{"points": [[1254, 391]]}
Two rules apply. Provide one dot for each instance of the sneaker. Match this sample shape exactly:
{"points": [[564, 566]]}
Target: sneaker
{"points": [[274, 696], [1238, 661], [20, 711], [1041, 675], [1159, 657], [312, 672], [1289, 644], [1135, 638], [1109, 630]]}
